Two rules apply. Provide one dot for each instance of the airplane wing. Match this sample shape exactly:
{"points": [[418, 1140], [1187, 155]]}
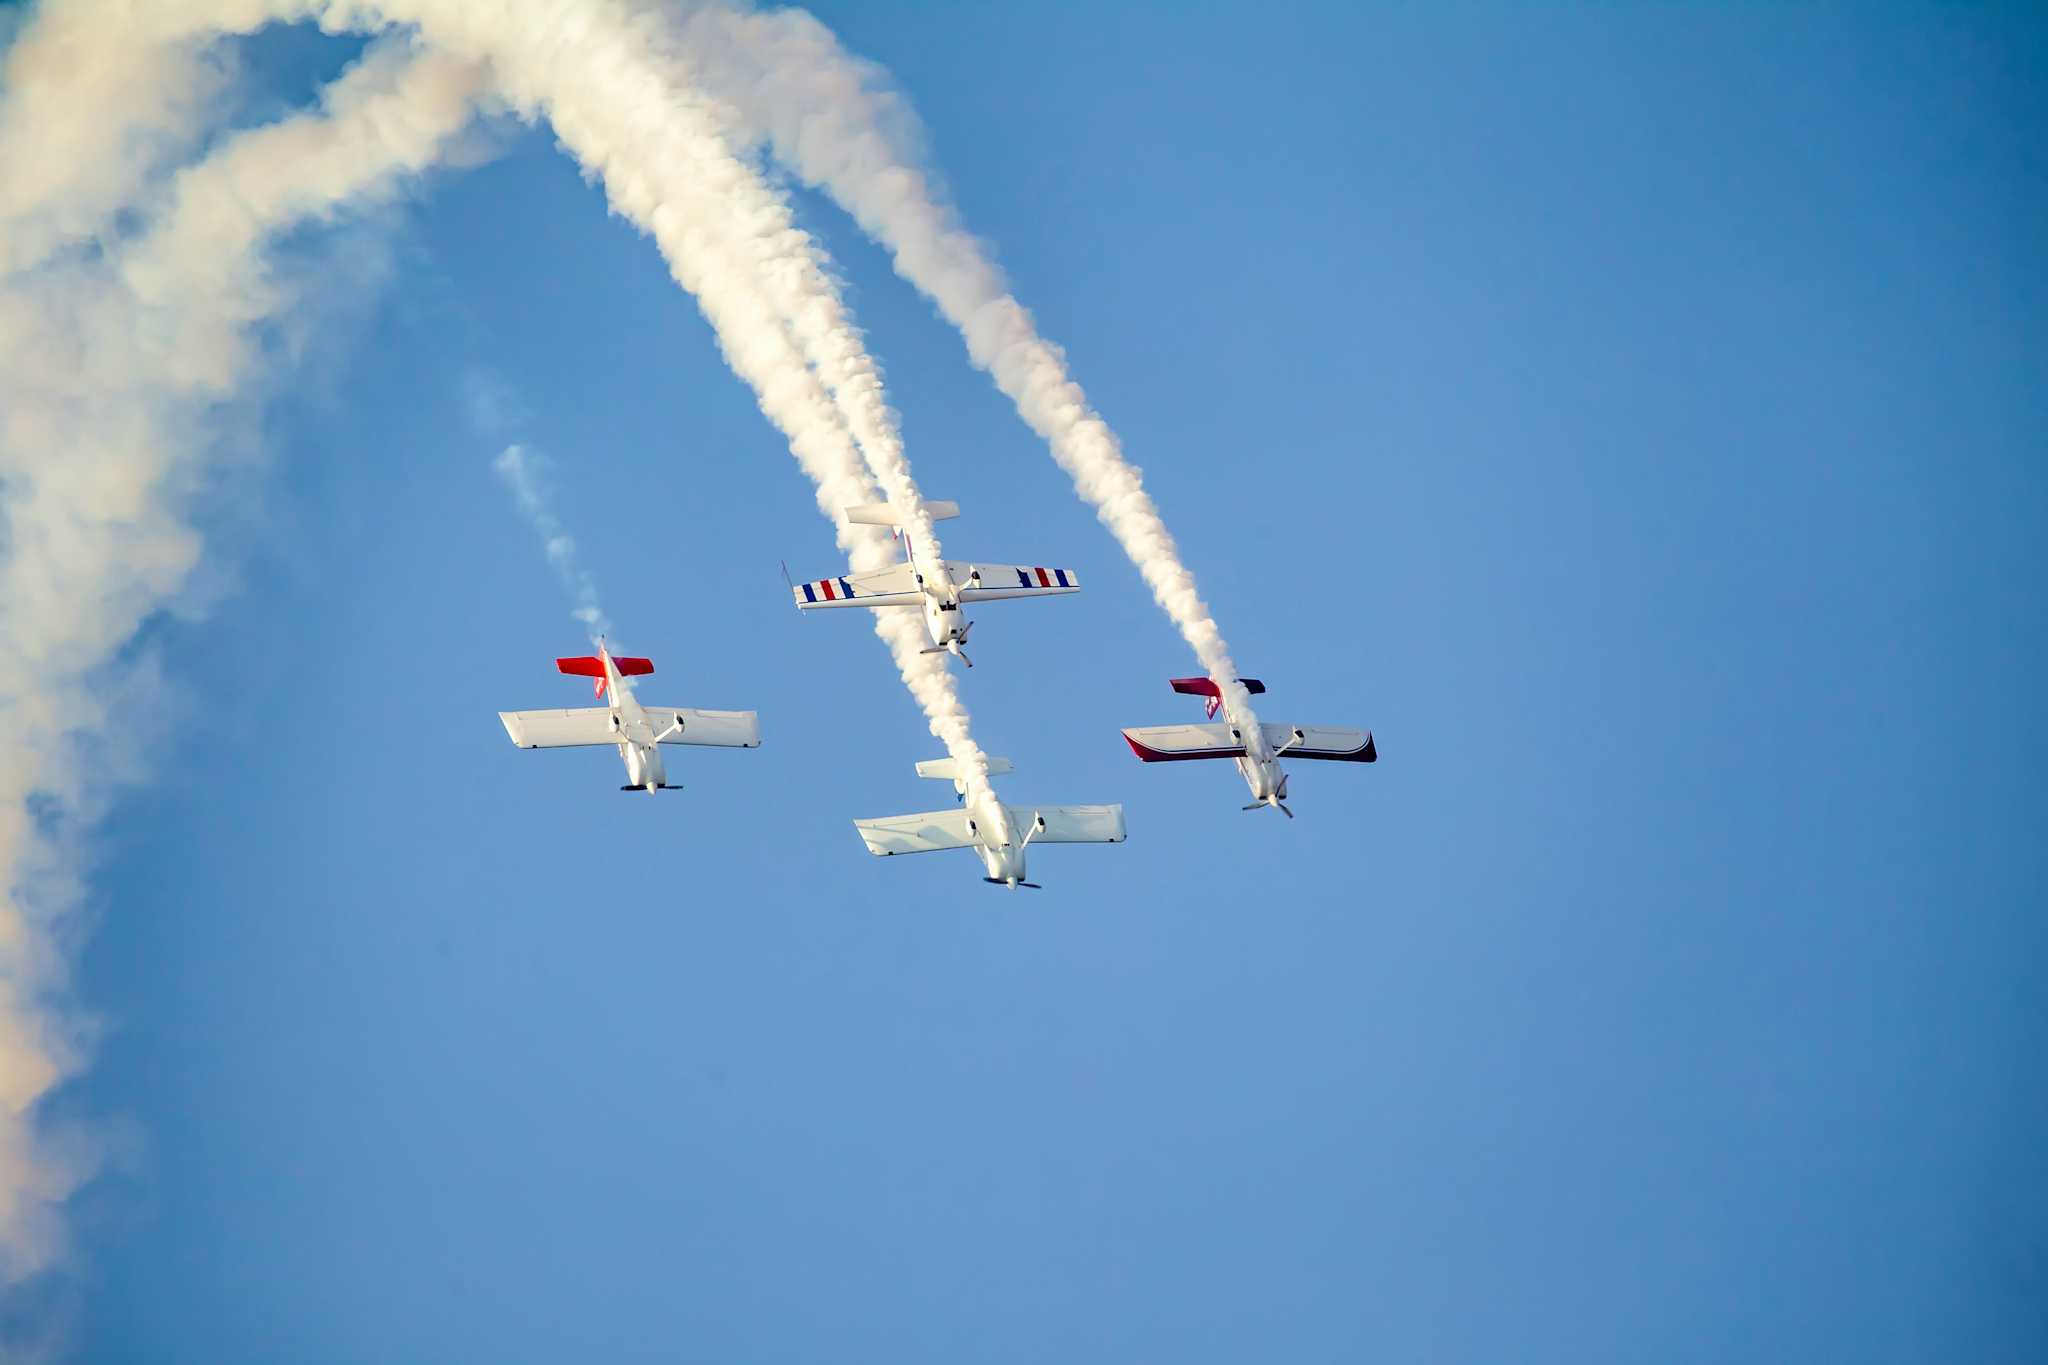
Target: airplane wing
{"points": [[559, 729], [1176, 743], [892, 587], [925, 833], [723, 729], [1072, 824], [1010, 580]]}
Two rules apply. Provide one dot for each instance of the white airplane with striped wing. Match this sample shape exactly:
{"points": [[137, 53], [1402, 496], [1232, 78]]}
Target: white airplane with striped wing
{"points": [[637, 731], [989, 827], [1257, 749], [940, 586]]}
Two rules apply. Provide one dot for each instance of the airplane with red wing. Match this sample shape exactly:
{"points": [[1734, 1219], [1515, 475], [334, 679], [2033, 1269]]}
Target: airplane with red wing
{"points": [[1256, 748]]}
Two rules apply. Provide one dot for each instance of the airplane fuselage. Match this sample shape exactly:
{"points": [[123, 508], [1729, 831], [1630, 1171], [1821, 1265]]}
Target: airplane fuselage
{"points": [[1259, 767], [944, 623], [639, 748], [1002, 852]]}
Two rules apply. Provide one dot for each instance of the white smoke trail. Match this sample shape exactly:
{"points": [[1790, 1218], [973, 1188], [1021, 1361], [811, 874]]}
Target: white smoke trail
{"points": [[590, 68], [528, 476], [826, 116], [123, 364], [118, 372], [66, 175]]}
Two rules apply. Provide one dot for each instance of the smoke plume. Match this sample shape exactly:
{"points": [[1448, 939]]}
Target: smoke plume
{"points": [[828, 116], [128, 354], [122, 367], [528, 475]]}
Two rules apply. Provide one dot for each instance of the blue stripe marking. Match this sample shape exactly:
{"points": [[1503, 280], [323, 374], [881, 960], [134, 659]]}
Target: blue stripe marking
{"points": [[1023, 579], [809, 595], [1061, 575], [845, 590]]}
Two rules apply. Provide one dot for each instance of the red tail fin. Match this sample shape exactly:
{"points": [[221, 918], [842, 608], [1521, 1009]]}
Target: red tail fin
{"points": [[589, 667], [1205, 687]]}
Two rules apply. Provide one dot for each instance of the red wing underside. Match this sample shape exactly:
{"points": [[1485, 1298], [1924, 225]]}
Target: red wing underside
{"points": [[1186, 743]]}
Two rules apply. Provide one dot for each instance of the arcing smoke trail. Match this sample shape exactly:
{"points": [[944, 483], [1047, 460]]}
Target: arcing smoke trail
{"points": [[167, 335], [66, 174], [114, 372], [790, 84], [590, 68]]}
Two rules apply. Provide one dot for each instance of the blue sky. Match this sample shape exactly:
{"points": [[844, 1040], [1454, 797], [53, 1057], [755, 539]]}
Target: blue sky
{"points": [[1634, 415]]}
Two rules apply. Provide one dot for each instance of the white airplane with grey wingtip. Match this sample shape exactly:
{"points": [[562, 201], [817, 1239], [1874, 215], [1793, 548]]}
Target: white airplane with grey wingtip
{"points": [[939, 586], [637, 731], [989, 827], [1257, 749]]}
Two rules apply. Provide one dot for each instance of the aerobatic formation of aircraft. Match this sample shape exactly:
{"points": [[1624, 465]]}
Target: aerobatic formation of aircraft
{"points": [[940, 586], [989, 827], [637, 731], [998, 833], [1257, 749]]}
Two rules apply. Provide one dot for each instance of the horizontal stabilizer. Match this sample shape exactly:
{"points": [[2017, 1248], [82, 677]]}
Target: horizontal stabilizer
{"points": [[946, 770], [1206, 687], [589, 667], [885, 514], [1179, 743]]}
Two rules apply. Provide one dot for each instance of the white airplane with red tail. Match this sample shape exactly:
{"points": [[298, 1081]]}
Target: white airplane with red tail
{"points": [[1257, 749], [989, 827], [940, 586], [637, 731]]}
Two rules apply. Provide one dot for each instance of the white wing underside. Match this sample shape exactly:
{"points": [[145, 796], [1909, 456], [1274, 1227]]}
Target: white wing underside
{"points": [[592, 725], [935, 830], [709, 729], [1072, 824], [897, 586], [894, 587], [999, 581], [559, 729], [926, 833]]}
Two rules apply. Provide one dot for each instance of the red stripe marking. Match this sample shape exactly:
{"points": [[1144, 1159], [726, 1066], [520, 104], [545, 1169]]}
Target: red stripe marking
{"points": [[1043, 581], [826, 584]]}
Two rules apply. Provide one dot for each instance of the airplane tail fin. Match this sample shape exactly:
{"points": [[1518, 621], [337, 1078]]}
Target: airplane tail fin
{"points": [[946, 770], [1206, 687], [589, 666], [885, 514]]}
